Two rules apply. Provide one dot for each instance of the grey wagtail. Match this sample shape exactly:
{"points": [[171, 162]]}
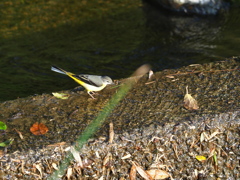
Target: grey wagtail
{"points": [[90, 82]]}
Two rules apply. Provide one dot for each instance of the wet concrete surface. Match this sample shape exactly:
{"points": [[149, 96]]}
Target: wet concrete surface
{"points": [[150, 124]]}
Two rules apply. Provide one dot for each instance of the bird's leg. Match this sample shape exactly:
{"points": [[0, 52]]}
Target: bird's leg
{"points": [[89, 92]]}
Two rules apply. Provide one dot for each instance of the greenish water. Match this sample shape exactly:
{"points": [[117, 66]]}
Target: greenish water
{"points": [[101, 37]]}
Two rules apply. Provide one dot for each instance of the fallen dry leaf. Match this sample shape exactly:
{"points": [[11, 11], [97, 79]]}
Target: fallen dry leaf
{"points": [[22, 166], [133, 173], [142, 172], [1, 153], [76, 156], [189, 102], [60, 95], [87, 162], [170, 76], [150, 82], [150, 74], [200, 158], [126, 156], [39, 129], [195, 65], [202, 137], [101, 178], [158, 174], [107, 160], [57, 144], [19, 133], [38, 167], [69, 173], [214, 134], [54, 165], [111, 132]]}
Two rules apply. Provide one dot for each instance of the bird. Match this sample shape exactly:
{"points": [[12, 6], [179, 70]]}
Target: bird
{"points": [[91, 83]]}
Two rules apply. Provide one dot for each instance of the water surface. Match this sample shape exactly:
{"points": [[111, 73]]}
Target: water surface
{"points": [[105, 38]]}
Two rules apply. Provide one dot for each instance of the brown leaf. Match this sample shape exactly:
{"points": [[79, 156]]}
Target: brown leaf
{"points": [[57, 144], [150, 82], [142, 172], [39, 129], [19, 133], [189, 102], [133, 173], [170, 76], [38, 167], [107, 160], [158, 174], [111, 132]]}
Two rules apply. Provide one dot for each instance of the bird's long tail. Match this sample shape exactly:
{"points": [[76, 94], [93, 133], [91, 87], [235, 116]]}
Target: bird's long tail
{"points": [[59, 70]]}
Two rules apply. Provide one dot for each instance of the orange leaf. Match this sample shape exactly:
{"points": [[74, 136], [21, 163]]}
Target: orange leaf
{"points": [[39, 129], [133, 173]]}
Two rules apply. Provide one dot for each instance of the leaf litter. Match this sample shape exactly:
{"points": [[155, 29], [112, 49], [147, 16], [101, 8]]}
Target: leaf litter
{"points": [[171, 140]]}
